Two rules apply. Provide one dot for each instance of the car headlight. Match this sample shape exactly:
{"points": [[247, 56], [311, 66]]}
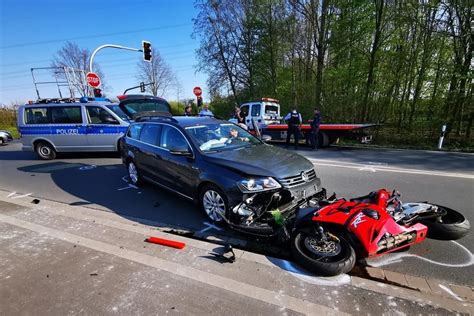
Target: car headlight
{"points": [[258, 185]]}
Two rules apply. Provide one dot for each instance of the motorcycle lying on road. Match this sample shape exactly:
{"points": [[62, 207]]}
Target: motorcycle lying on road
{"points": [[327, 235], [328, 238]]}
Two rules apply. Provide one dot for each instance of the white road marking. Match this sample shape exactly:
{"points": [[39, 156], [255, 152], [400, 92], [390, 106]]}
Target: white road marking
{"points": [[211, 279], [448, 290], [22, 196], [330, 163], [210, 226], [397, 257], [11, 194], [130, 186]]}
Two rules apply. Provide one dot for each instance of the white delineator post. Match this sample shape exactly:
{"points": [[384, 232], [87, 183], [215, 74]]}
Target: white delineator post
{"points": [[441, 137]]}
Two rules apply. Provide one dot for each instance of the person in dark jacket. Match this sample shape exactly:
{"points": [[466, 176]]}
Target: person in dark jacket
{"points": [[188, 110], [294, 121], [314, 135]]}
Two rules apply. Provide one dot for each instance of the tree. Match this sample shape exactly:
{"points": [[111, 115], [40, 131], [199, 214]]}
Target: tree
{"points": [[76, 59], [157, 72]]}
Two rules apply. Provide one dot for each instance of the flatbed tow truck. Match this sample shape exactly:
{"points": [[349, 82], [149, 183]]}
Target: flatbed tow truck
{"points": [[265, 114]]}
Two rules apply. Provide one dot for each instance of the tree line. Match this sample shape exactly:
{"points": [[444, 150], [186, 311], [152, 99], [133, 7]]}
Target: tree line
{"points": [[405, 64]]}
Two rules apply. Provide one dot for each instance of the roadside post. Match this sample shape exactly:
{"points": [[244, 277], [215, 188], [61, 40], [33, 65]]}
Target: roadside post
{"points": [[441, 137]]}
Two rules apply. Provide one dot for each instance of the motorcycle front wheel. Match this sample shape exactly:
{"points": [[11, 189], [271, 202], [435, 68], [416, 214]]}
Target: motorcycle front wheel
{"points": [[331, 257], [450, 225]]}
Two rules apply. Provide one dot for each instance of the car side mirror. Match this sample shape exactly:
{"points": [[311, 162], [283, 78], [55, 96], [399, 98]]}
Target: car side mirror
{"points": [[180, 152]]}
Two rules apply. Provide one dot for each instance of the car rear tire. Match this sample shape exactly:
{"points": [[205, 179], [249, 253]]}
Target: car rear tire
{"points": [[214, 202], [134, 174], [45, 151]]}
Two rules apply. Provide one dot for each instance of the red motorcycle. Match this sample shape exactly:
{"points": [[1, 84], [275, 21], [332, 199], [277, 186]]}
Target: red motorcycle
{"points": [[327, 239]]}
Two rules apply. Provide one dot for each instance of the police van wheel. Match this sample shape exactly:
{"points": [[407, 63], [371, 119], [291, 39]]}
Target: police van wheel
{"points": [[45, 151]]}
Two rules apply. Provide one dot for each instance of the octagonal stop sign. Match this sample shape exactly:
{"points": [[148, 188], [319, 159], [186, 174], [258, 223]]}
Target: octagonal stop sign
{"points": [[197, 91], [93, 79]]}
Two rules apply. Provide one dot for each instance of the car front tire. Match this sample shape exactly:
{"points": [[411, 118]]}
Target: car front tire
{"points": [[214, 202]]}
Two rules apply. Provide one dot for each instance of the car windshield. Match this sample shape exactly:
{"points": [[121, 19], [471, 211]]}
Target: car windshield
{"points": [[271, 108], [116, 109], [217, 137]]}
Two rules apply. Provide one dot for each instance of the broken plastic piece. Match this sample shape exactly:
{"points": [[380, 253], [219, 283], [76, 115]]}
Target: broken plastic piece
{"points": [[166, 242]]}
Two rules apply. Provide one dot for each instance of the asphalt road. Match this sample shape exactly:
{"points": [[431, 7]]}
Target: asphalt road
{"points": [[99, 181]]}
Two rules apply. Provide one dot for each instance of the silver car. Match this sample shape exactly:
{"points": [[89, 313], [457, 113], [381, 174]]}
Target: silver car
{"points": [[5, 137]]}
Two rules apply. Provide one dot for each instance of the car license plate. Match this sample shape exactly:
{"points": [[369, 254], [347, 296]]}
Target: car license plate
{"points": [[306, 192]]}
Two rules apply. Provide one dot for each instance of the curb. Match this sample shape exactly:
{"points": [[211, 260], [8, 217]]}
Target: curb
{"points": [[362, 276]]}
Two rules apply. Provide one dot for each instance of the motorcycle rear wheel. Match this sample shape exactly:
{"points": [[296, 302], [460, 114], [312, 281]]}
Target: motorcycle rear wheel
{"points": [[451, 225], [341, 261]]}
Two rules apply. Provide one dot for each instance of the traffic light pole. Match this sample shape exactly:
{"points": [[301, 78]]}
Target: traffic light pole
{"points": [[91, 62]]}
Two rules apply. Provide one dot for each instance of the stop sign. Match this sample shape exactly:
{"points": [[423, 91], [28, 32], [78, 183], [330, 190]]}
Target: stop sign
{"points": [[197, 91], [93, 79]]}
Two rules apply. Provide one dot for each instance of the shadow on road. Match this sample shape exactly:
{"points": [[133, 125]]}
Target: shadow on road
{"points": [[107, 187]]}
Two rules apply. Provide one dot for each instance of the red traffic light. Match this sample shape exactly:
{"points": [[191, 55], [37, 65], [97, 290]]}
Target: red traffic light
{"points": [[147, 53]]}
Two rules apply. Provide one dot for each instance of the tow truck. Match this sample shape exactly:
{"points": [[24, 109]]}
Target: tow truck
{"points": [[265, 114]]}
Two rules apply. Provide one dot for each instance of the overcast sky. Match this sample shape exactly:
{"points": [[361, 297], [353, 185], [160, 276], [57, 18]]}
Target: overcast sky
{"points": [[31, 32]]}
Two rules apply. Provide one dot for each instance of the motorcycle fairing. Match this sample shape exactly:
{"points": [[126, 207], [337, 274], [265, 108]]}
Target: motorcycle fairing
{"points": [[376, 230]]}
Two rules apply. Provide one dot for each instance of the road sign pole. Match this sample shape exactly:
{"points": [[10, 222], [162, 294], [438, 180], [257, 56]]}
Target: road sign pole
{"points": [[91, 62]]}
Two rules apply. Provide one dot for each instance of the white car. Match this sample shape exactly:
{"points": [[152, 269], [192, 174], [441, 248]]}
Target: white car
{"points": [[5, 137]]}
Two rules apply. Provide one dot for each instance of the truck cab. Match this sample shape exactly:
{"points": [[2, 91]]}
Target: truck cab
{"points": [[265, 111]]}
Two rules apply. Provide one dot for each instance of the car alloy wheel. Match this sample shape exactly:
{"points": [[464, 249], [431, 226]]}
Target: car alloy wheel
{"points": [[214, 205]]}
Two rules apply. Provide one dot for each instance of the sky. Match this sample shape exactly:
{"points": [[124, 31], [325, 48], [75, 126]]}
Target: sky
{"points": [[32, 31]]}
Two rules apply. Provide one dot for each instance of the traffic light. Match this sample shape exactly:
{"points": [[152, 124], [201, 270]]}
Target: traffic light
{"points": [[146, 51], [199, 101], [97, 93]]}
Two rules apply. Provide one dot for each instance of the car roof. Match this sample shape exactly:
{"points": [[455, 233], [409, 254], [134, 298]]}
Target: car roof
{"points": [[186, 121]]}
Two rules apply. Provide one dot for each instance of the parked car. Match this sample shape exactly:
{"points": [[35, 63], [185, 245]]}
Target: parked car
{"points": [[5, 137], [80, 125], [233, 175]]}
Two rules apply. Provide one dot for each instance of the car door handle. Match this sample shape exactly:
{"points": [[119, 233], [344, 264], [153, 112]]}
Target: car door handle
{"points": [[153, 155]]}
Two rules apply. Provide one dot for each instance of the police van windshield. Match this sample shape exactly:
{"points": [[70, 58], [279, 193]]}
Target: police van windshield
{"points": [[271, 109], [116, 109]]}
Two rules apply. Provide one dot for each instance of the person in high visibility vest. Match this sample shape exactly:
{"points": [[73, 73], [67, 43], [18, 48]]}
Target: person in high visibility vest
{"points": [[294, 122]]}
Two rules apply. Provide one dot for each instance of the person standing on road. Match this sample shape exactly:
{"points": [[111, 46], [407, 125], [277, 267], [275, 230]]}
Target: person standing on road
{"points": [[294, 121], [188, 110], [314, 135], [205, 111]]}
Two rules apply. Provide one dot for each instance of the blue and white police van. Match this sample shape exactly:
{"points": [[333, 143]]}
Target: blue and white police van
{"points": [[49, 126]]}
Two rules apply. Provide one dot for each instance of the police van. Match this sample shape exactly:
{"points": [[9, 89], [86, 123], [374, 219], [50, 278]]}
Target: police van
{"points": [[49, 126]]}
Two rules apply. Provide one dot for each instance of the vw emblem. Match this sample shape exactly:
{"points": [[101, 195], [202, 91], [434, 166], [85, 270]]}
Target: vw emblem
{"points": [[305, 177]]}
